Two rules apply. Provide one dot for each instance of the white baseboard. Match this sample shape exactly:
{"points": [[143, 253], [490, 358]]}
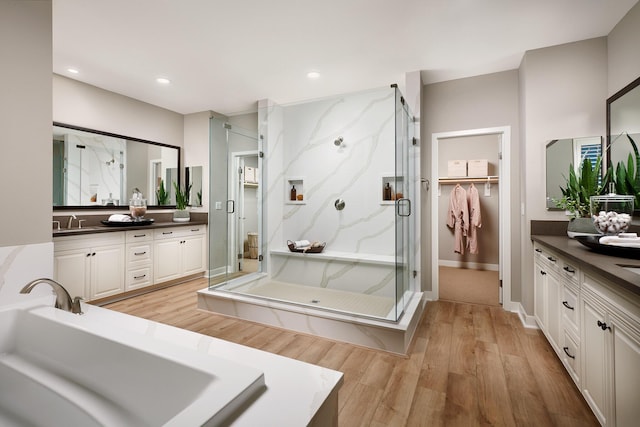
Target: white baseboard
{"points": [[469, 264], [527, 320]]}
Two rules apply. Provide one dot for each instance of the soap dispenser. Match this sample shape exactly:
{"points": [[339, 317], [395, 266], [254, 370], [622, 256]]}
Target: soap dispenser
{"points": [[293, 192]]}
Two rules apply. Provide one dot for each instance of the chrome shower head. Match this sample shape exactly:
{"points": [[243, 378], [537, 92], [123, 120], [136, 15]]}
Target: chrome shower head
{"points": [[338, 142]]}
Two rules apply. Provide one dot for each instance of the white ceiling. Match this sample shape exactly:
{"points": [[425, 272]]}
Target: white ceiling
{"points": [[226, 55]]}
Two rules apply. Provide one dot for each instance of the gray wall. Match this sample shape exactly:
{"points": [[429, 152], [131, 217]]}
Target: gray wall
{"points": [[563, 93], [25, 120], [80, 104], [472, 103], [622, 51]]}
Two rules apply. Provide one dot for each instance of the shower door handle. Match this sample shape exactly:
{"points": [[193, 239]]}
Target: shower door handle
{"points": [[233, 206], [400, 202]]}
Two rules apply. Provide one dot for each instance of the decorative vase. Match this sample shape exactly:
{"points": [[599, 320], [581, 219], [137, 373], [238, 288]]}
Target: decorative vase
{"points": [[181, 215], [581, 227]]}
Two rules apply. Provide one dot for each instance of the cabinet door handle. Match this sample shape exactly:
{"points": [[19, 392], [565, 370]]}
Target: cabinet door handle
{"points": [[603, 326], [569, 269], [139, 277], [552, 259], [539, 251], [197, 229], [93, 254], [566, 351], [89, 254], [139, 235], [543, 272], [566, 304], [167, 232], [140, 253]]}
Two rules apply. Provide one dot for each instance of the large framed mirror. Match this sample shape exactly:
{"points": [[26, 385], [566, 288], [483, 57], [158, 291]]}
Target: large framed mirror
{"points": [[94, 169], [562, 154], [623, 121]]}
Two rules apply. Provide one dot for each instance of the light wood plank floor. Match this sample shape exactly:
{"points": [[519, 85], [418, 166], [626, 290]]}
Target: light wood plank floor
{"points": [[469, 365]]}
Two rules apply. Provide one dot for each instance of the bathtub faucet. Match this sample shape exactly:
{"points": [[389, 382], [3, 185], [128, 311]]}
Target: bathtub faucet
{"points": [[63, 299]]}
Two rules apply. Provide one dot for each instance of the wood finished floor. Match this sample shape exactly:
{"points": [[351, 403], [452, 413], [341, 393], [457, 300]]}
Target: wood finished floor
{"points": [[469, 365]]}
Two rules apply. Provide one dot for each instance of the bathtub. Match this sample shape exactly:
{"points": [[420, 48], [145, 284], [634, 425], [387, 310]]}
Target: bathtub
{"points": [[58, 368]]}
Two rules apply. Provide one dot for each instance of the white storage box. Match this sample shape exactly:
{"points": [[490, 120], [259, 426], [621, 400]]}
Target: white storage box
{"points": [[457, 168], [250, 175], [478, 167]]}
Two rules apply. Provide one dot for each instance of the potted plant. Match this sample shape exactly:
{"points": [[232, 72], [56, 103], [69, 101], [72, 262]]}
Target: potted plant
{"points": [[181, 214], [580, 187]]}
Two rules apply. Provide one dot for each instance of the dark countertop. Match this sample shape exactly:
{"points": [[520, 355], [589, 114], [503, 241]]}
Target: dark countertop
{"points": [[606, 266], [94, 229]]}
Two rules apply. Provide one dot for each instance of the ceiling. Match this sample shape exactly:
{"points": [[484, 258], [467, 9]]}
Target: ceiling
{"points": [[226, 55]]}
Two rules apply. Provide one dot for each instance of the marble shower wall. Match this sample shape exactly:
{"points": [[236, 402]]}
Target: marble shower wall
{"points": [[302, 152], [94, 171]]}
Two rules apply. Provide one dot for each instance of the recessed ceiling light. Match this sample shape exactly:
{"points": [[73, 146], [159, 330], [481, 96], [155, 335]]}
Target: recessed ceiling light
{"points": [[163, 80], [313, 75], [73, 70]]}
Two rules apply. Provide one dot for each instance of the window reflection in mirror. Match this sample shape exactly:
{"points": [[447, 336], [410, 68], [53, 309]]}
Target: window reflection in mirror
{"points": [[561, 154], [99, 169]]}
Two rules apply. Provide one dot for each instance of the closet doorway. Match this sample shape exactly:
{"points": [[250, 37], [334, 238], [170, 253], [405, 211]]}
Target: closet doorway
{"points": [[464, 268]]}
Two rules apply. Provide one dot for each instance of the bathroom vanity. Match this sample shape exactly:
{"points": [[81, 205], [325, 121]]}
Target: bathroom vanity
{"points": [[588, 306], [103, 262]]}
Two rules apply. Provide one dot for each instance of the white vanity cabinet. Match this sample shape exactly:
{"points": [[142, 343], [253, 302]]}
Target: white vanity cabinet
{"points": [[139, 263], [101, 265], [548, 292], [90, 266], [594, 327], [178, 251], [611, 354]]}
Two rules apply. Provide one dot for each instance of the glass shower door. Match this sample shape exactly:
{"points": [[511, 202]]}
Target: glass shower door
{"points": [[403, 211], [233, 213]]}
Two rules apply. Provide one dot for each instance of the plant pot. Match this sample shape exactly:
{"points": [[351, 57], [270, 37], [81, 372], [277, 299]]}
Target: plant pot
{"points": [[581, 227], [181, 215]]}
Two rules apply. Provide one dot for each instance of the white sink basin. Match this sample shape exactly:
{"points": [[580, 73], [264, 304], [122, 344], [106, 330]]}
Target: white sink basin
{"points": [[57, 368]]}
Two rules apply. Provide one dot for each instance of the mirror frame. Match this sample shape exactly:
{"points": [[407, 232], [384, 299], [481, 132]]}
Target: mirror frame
{"points": [[628, 88], [128, 138]]}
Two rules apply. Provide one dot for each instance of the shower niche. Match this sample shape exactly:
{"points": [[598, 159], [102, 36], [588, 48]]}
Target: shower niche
{"points": [[392, 189], [294, 191]]}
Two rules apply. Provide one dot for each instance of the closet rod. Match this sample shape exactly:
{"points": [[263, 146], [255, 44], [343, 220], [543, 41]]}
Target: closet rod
{"points": [[462, 179]]}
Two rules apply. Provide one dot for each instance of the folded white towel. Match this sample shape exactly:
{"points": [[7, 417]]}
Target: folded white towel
{"points": [[299, 244], [628, 242], [120, 218]]}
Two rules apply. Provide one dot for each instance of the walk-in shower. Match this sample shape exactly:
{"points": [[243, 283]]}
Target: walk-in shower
{"points": [[339, 171]]}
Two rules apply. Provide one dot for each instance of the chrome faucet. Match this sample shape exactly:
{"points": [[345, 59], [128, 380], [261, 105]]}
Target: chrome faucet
{"points": [[71, 218], [63, 299]]}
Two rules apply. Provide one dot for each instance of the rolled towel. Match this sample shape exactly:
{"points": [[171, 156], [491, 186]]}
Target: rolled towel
{"points": [[299, 244], [120, 218]]}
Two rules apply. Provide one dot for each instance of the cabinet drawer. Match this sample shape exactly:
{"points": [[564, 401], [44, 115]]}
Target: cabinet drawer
{"points": [[178, 232], [569, 272], [139, 278], [570, 357], [137, 236], [139, 254], [570, 307]]}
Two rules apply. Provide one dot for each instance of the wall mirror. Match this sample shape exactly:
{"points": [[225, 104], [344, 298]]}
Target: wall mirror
{"points": [[561, 154], [94, 169], [623, 118]]}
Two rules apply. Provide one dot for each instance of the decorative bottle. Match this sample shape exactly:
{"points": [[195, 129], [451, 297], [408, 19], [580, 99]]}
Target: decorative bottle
{"points": [[293, 192]]}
